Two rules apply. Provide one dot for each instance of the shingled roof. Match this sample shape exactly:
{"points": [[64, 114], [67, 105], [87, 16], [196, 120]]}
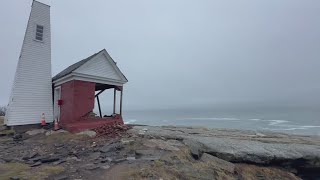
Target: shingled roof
{"points": [[73, 67]]}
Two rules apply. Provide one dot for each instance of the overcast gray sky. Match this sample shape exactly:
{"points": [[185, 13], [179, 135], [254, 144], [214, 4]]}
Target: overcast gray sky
{"points": [[183, 52]]}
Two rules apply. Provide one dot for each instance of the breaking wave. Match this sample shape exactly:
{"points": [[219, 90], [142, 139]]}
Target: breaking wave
{"points": [[129, 121]]}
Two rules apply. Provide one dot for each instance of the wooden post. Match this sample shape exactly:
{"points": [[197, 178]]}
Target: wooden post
{"points": [[114, 100], [121, 101], [99, 106]]}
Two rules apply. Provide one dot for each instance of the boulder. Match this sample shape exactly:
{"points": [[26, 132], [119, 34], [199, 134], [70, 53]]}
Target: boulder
{"points": [[219, 163], [196, 148]]}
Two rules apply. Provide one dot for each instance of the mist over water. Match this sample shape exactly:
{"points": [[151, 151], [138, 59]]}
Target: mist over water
{"points": [[292, 120]]}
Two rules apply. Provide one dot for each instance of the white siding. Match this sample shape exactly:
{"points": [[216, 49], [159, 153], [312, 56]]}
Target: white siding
{"points": [[32, 88], [99, 66]]}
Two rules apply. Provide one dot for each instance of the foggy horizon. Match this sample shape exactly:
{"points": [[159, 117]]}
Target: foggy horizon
{"points": [[183, 53]]}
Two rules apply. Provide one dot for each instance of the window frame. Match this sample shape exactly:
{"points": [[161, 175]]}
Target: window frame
{"points": [[38, 34]]}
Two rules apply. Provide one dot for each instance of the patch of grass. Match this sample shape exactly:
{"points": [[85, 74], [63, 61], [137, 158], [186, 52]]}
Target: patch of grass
{"points": [[63, 137], [7, 132], [25, 171], [12, 169]]}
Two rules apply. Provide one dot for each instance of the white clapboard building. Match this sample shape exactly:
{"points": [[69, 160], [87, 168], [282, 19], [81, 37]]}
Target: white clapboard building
{"points": [[31, 93]]}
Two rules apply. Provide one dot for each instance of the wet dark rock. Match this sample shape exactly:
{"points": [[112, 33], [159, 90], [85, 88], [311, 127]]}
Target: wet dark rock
{"points": [[14, 178], [49, 159], [119, 160], [107, 159], [59, 162], [17, 137], [36, 164], [111, 147], [35, 159], [29, 156]]}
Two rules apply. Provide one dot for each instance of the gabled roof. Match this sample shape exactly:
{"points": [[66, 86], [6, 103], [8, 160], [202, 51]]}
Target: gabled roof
{"points": [[72, 69]]}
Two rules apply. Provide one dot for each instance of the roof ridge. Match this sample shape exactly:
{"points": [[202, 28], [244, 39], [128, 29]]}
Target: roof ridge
{"points": [[74, 66]]}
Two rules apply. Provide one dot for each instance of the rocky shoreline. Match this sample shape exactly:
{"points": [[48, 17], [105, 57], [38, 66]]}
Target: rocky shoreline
{"points": [[149, 152]]}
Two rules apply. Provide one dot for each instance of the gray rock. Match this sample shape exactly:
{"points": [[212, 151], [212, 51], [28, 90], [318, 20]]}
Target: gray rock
{"points": [[131, 158], [91, 167], [127, 141], [36, 164], [59, 162], [61, 177], [35, 132], [88, 133], [146, 152], [221, 164], [17, 136], [119, 160], [95, 155], [243, 146], [105, 167], [149, 158], [31, 155], [49, 159], [196, 149], [111, 147], [14, 178], [107, 159]]}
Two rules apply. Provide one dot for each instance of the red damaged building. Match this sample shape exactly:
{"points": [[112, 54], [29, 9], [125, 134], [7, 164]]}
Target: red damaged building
{"points": [[76, 88]]}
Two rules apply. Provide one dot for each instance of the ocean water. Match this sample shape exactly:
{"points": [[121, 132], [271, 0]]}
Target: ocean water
{"points": [[291, 120]]}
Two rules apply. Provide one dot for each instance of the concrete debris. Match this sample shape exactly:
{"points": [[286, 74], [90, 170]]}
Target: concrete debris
{"points": [[112, 130]]}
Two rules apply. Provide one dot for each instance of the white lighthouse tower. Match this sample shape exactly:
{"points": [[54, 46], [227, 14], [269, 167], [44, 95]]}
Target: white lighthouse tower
{"points": [[31, 93]]}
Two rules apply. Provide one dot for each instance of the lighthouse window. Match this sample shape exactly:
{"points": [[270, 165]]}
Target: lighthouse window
{"points": [[39, 33]]}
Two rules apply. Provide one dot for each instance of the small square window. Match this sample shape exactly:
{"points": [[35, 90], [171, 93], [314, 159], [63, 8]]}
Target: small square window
{"points": [[39, 33]]}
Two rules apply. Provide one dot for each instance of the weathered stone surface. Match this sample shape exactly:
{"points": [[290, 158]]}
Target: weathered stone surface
{"points": [[51, 132], [127, 141], [88, 133], [14, 178], [31, 155], [146, 152], [111, 147], [105, 167], [131, 158], [161, 144], [195, 147], [150, 158], [242, 146], [35, 132], [36, 164], [49, 159], [220, 163], [94, 155], [61, 177]]}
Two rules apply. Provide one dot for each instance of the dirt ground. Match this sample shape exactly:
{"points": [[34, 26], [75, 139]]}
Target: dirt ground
{"points": [[61, 155]]}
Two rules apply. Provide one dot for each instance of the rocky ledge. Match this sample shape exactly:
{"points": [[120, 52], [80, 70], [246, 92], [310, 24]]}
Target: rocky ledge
{"points": [[147, 152], [300, 154]]}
